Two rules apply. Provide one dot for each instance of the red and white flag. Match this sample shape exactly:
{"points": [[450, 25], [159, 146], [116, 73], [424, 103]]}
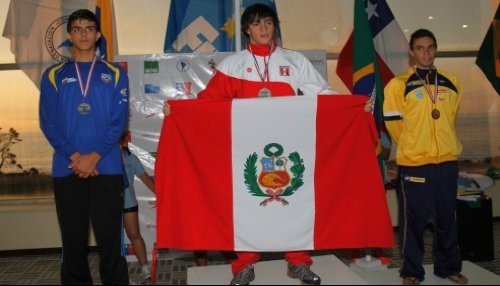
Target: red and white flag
{"points": [[270, 174]]}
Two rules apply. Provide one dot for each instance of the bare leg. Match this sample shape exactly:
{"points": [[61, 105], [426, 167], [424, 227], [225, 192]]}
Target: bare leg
{"points": [[134, 235]]}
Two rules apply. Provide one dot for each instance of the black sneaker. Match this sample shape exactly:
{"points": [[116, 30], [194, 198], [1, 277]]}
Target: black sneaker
{"points": [[304, 274], [244, 277]]}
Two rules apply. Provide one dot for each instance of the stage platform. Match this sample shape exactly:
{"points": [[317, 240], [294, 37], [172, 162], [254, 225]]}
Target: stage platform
{"points": [[332, 272]]}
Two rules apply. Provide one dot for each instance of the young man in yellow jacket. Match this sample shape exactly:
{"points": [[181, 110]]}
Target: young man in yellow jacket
{"points": [[420, 109]]}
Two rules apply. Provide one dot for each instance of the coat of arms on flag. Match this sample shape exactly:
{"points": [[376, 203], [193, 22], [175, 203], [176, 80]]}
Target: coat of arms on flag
{"points": [[274, 175]]}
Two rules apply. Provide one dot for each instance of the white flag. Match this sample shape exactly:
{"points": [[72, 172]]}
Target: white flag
{"points": [[37, 32]]}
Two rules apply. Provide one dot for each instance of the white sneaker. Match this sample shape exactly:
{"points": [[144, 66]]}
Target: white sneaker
{"points": [[145, 272]]}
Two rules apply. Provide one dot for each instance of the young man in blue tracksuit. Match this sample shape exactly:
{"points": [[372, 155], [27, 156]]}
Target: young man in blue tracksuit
{"points": [[83, 112]]}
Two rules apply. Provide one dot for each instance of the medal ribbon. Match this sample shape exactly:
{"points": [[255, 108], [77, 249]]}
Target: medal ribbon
{"points": [[86, 90], [434, 95], [265, 76]]}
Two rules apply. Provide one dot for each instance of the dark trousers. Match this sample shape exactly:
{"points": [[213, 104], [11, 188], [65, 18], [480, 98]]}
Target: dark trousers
{"points": [[428, 194], [97, 199], [203, 254]]}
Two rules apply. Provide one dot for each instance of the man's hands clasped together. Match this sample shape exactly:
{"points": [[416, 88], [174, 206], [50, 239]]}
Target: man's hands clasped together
{"points": [[84, 165]]}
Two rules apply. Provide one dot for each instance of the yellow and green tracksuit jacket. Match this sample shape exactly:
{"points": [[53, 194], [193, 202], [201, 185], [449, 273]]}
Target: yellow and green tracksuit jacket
{"points": [[407, 108]]}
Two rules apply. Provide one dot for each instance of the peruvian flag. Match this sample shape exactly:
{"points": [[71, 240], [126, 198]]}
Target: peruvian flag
{"points": [[270, 174]]}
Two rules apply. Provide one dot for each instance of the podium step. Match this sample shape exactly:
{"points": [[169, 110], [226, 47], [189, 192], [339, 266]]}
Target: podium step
{"points": [[332, 272], [328, 267]]}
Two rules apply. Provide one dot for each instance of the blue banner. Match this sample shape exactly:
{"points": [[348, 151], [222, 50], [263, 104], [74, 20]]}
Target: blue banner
{"points": [[203, 26]]}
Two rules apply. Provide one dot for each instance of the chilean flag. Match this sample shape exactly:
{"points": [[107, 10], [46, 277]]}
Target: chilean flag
{"points": [[375, 52], [270, 174], [389, 43]]}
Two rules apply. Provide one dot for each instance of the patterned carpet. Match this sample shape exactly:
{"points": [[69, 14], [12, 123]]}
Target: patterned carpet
{"points": [[41, 267]]}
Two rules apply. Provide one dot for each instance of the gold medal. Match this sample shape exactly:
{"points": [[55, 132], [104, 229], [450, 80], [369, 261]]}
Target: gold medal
{"points": [[264, 92], [435, 113]]}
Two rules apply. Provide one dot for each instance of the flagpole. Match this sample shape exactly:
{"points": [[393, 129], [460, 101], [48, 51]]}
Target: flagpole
{"points": [[237, 24], [114, 38]]}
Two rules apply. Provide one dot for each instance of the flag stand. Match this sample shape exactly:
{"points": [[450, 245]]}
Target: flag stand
{"points": [[367, 263]]}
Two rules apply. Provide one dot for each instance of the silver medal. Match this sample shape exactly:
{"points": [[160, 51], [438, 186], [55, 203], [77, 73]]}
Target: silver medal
{"points": [[84, 108]]}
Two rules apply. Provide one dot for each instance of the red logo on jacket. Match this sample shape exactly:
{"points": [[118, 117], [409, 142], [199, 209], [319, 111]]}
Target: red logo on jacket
{"points": [[284, 71]]}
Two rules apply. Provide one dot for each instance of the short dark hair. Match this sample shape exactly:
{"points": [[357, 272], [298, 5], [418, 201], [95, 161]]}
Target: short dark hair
{"points": [[256, 12], [83, 14], [421, 33]]}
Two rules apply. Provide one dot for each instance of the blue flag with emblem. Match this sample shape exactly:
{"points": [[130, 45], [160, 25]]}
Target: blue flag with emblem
{"points": [[204, 26]]}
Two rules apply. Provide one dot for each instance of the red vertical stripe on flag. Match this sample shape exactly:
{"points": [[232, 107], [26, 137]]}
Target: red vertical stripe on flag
{"points": [[351, 207], [194, 206]]}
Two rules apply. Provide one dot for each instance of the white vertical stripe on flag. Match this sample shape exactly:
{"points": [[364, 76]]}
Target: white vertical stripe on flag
{"points": [[392, 47], [261, 227]]}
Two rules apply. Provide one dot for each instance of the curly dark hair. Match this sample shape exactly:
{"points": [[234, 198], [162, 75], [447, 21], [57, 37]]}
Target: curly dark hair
{"points": [[256, 12]]}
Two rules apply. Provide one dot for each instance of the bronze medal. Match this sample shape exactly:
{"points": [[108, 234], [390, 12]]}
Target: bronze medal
{"points": [[435, 113], [264, 92], [434, 96], [84, 108]]}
